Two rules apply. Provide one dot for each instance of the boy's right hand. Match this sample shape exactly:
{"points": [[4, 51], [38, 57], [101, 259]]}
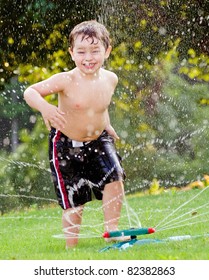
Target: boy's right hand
{"points": [[53, 116]]}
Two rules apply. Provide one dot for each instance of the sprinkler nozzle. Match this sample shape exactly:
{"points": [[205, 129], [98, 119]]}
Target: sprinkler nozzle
{"points": [[151, 230]]}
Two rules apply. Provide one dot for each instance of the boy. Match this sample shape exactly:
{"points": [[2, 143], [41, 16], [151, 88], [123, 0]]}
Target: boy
{"points": [[81, 143]]}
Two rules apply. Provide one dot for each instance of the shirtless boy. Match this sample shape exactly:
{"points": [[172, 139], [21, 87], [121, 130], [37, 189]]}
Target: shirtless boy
{"points": [[81, 143]]}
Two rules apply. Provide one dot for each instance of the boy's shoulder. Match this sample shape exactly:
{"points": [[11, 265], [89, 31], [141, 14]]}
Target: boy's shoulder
{"points": [[62, 77], [64, 74], [111, 75]]}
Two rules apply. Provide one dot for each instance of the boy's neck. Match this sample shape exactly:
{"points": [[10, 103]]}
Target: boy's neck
{"points": [[89, 76]]}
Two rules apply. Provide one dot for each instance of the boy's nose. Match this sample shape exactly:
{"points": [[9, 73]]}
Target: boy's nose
{"points": [[88, 56]]}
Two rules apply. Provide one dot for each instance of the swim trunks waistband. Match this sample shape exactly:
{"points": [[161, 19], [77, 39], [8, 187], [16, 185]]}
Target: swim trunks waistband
{"points": [[77, 144]]}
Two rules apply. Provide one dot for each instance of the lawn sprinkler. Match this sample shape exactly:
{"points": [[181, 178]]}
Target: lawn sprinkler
{"points": [[133, 233]]}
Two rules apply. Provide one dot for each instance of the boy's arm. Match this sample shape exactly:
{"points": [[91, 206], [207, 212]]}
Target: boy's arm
{"points": [[109, 128], [111, 131], [34, 96]]}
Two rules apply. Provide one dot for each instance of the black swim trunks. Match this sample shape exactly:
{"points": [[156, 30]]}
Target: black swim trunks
{"points": [[78, 168]]}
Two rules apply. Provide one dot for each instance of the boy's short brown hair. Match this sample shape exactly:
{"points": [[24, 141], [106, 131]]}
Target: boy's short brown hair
{"points": [[91, 29]]}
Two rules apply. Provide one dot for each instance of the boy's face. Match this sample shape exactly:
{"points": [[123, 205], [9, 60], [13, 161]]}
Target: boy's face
{"points": [[89, 54]]}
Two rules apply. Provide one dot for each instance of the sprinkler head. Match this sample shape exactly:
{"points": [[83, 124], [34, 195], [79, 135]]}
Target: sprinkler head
{"points": [[133, 232], [151, 230], [106, 234]]}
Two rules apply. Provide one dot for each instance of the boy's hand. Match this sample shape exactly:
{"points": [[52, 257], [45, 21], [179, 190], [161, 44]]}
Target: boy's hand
{"points": [[111, 132], [53, 116]]}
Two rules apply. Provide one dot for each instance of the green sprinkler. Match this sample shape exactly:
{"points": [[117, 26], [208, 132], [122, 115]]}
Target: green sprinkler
{"points": [[128, 232]]}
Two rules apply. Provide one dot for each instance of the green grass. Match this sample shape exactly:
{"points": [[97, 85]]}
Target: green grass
{"points": [[28, 235]]}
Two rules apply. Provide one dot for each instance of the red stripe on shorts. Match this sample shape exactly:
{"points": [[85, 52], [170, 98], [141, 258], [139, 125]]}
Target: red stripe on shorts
{"points": [[60, 180]]}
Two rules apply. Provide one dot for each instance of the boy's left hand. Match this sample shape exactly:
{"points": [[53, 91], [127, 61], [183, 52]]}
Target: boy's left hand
{"points": [[111, 131]]}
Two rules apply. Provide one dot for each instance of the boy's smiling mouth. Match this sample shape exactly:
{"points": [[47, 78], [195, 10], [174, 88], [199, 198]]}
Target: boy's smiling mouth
{"points": [[89, 65]]}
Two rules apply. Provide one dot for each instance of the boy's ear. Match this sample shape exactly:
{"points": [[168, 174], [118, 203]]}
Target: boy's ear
{"points": [[71, 53], [108, 51]]}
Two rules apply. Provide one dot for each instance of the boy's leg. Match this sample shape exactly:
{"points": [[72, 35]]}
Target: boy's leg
{"points": [[71, 222], [112, 203]]}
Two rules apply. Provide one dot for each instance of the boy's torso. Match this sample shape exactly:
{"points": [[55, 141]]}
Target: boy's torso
{"points": [[85, 103]]}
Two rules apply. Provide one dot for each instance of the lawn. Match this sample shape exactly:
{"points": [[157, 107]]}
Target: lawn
{"points": [[36, 234]]}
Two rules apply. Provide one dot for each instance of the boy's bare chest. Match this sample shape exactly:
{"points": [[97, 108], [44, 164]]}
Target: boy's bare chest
{"points": [[81, 98]]}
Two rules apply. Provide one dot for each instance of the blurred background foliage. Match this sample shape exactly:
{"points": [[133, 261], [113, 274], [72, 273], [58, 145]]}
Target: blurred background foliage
{"points": [[160, 107]]}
